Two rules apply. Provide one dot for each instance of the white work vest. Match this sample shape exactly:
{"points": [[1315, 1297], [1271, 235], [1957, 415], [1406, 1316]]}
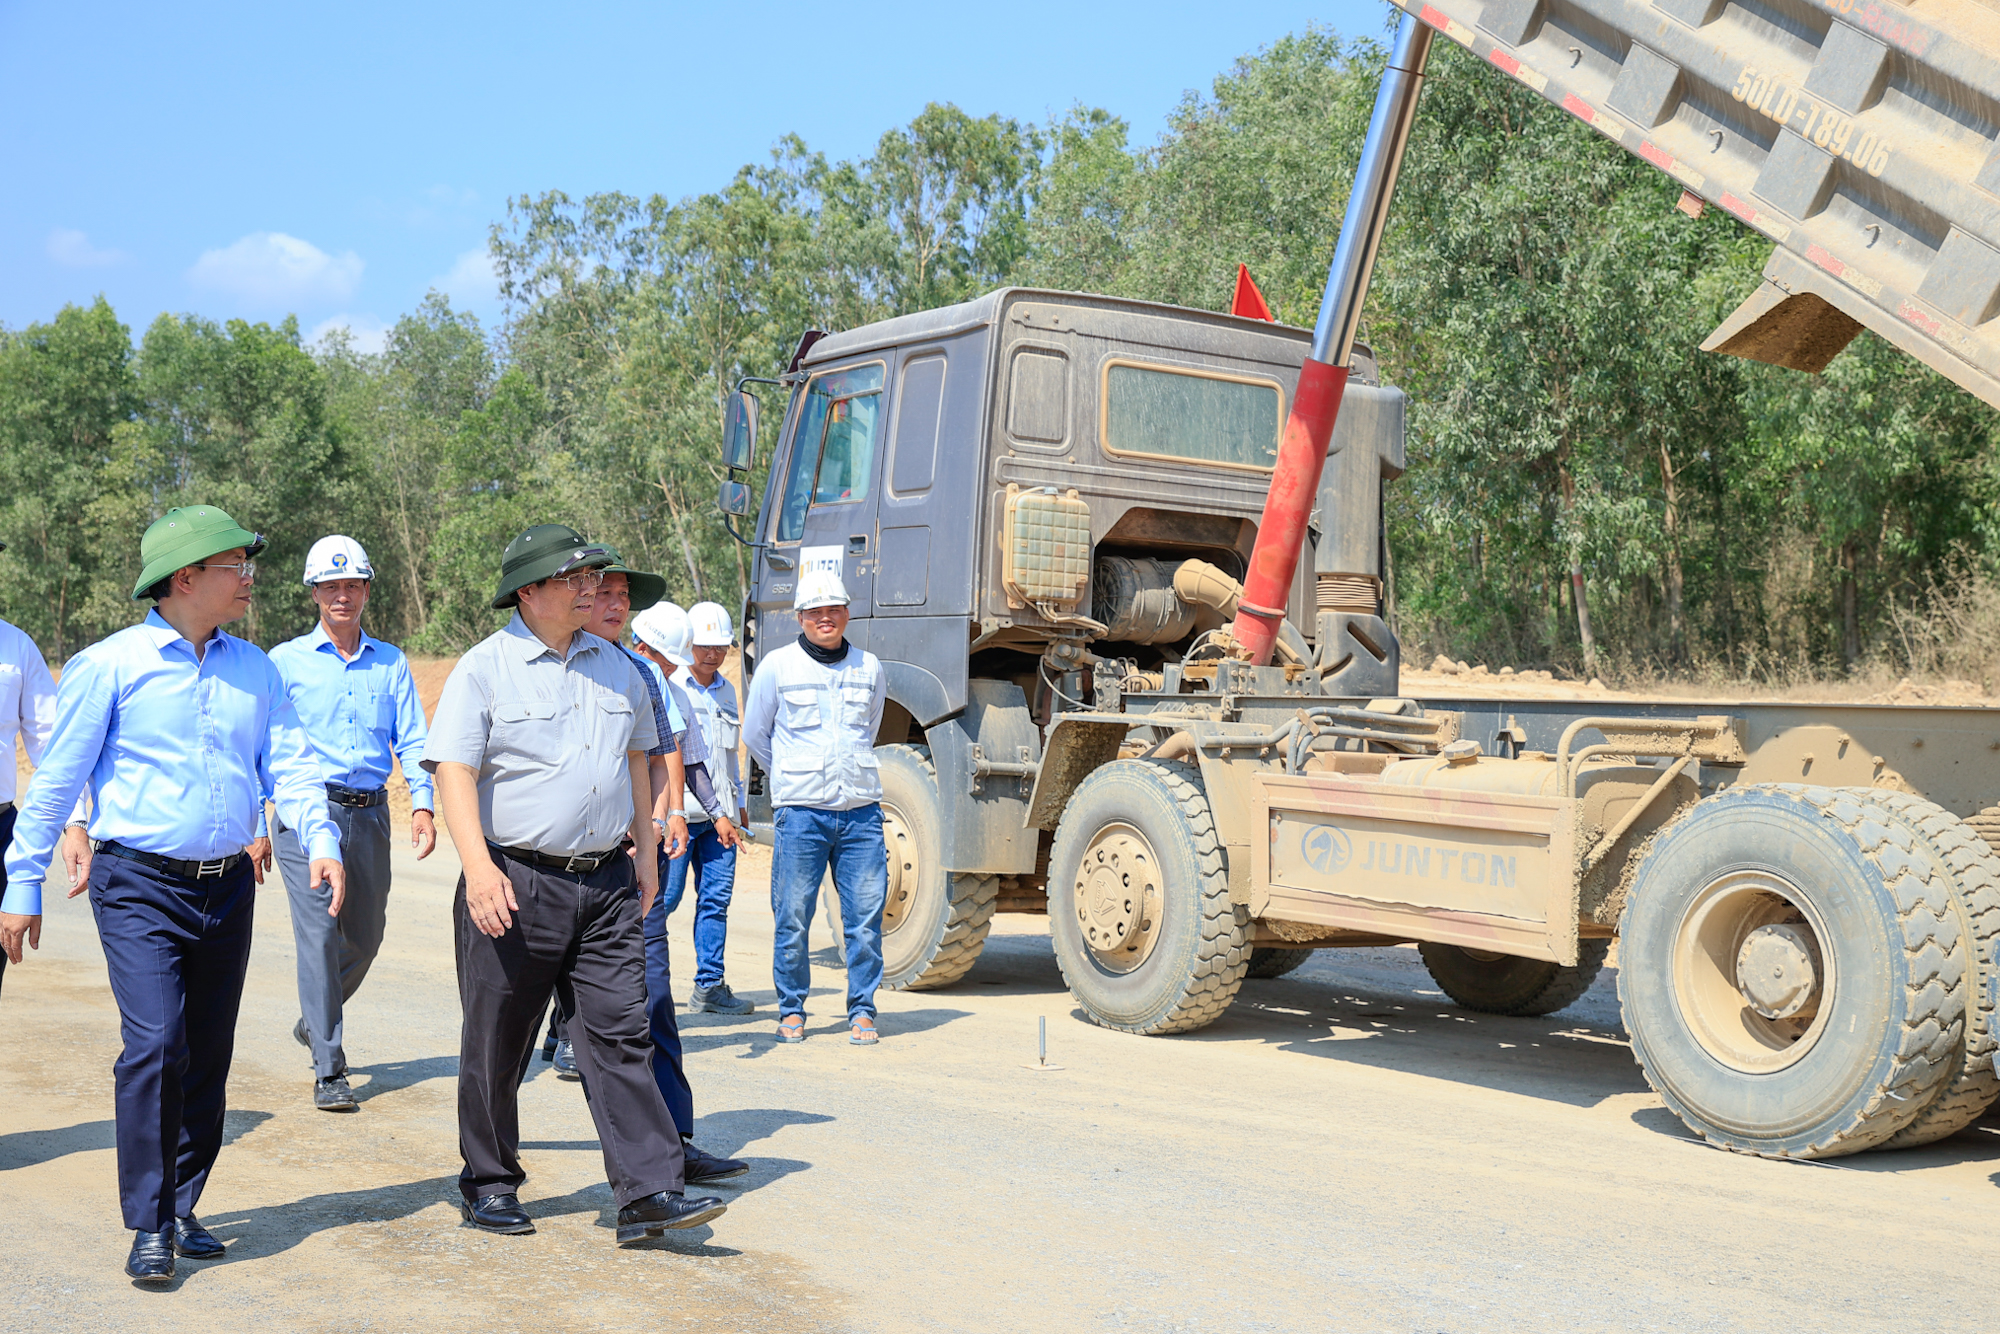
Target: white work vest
{"points": [[812, 727]]}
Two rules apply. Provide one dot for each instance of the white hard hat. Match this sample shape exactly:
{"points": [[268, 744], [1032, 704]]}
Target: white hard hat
{"points": [[663, 627], [337, 557], [819, 588], [710, 624]]}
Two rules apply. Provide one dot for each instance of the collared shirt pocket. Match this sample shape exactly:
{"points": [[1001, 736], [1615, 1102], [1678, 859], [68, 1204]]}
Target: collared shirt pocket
{"points": [[528, 725], [619, 719], [801, 706]]}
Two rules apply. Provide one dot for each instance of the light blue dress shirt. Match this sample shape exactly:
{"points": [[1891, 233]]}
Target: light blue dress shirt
{"points": [[176, 754], [358, 712]]}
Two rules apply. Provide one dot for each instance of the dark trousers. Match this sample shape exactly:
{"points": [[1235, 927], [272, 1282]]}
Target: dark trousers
{"points": [[6, 839], [335, 954], [177, 951], [577, 938], [669, 1072]]}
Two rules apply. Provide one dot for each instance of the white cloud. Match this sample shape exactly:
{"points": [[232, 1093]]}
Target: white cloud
{"points": [[471, 281], [365, 332], [273, 269], [72, 249]]}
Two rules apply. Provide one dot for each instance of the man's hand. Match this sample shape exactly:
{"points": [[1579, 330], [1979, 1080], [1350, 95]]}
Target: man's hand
{"points": [[14, 927], [329, 872], [76, 858], [423, 833], [259, 853], [725, 832], [649, 884], [677, 838], [489, 899]]}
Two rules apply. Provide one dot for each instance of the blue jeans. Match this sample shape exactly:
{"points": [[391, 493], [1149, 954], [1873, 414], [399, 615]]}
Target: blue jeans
{"points": [[808, 842], [715, 882]]}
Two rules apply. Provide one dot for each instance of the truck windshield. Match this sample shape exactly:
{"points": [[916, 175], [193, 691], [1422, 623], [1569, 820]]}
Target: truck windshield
{"points": [[1185, 414], [833, 450]]}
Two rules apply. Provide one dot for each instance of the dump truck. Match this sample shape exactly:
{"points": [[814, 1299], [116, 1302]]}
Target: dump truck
{"points": [[1123, 564]]}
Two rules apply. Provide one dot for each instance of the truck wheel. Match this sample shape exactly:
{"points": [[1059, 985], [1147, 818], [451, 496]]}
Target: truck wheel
{"points": [[934, 921], [1973, 874], [1268, 962], [1507, 984], [1792, 970], [1139, 908]]}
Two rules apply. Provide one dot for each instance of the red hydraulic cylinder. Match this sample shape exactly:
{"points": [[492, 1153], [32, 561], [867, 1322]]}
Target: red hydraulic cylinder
{"points": [[1294, 486], [1281, 529]]}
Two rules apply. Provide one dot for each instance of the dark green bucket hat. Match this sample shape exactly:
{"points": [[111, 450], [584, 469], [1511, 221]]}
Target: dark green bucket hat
{"points": [[183, 537], [647, 589], [544, 551]]}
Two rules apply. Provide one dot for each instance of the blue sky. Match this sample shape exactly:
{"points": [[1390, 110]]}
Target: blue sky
{"points": [[334, 162]]}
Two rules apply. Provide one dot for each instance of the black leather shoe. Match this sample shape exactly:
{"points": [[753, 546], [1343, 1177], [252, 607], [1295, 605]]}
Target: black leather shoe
{"points": [[497, 1213], [565, 1061], [152, 1257], [333, 1095], [660, 1212], [300, 1036], [699, 1169], [192, 1241]]}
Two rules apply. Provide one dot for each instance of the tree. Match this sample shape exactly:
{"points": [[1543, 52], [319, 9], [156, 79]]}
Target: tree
{"points": [[65, 389]]}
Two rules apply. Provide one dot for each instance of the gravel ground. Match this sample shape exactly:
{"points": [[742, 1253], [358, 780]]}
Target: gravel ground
{"points": [[1343, 1150]]}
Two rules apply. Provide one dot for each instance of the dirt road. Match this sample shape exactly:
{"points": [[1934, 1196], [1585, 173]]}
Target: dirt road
{"points": [[1343, 1151]]}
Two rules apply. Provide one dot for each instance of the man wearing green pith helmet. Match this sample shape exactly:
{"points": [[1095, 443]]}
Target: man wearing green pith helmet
{"points": [[177, 730]]}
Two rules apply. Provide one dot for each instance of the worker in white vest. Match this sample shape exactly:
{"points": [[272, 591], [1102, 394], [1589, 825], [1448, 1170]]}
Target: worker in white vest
{"points": [[815, 705], [711, 850]]}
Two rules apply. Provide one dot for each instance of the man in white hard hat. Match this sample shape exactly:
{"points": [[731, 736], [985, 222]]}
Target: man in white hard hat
{"points": [[359, 704], [711, 852], [815, 705]]}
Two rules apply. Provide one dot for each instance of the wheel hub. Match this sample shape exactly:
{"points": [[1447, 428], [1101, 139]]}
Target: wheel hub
{"points": [[1749, 976], [1118, 897], [1778, 970], [904, 868]]}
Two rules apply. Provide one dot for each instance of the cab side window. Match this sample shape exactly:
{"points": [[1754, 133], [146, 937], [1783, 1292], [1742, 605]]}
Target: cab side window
{"points": [[833, 450]]}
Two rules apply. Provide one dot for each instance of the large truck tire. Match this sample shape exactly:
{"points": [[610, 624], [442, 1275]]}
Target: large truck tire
{"points": [[934, 921], [1793, 973], [1973, 873], [1268, 961], [1506, 984], [1139, 908]]}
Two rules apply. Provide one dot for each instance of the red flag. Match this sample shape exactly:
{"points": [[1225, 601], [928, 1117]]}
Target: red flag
{"points": [[1249, 301]]}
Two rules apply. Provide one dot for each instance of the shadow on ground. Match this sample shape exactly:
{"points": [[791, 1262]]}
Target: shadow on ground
{"points": [[30, 1148]]}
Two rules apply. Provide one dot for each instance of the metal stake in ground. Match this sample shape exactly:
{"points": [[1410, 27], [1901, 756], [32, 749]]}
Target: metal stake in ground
{"points": [[1041, 1047]]}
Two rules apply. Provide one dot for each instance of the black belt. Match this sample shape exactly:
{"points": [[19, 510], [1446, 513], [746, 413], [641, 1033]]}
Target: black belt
{"points": [[581, 864], [356, 797], [185, 870]]}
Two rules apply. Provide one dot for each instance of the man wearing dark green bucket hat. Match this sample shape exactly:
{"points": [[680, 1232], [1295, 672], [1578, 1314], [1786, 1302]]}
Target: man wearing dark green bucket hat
{"points": [[173, 727], [539, 750]]}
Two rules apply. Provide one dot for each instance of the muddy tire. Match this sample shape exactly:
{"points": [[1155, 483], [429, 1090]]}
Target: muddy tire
{"points": [[934, 921], [1973, 873], [1504, 984], [1139, 908], [1267, 962], [1793, 972]]}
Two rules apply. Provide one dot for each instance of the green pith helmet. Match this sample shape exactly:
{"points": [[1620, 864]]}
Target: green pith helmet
{"points": [[647, 589], [183, 537], [544, 551]]}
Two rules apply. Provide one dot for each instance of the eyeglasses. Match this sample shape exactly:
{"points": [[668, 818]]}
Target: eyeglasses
{"points": [[246, 570], [580, 583]]}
